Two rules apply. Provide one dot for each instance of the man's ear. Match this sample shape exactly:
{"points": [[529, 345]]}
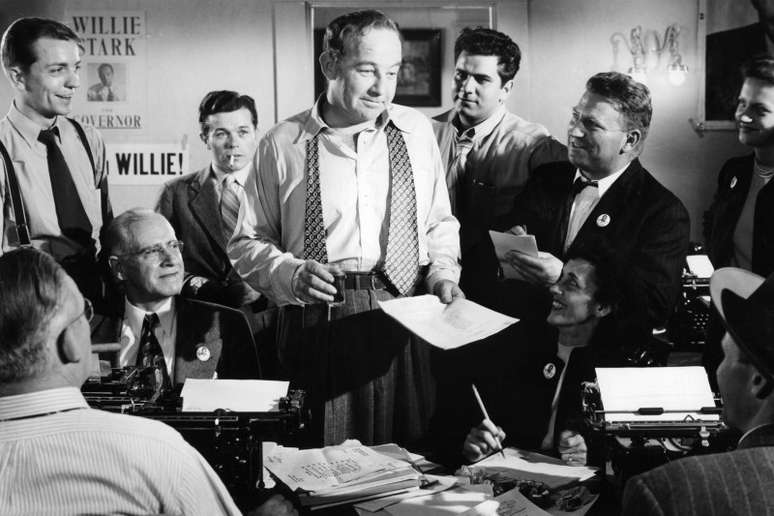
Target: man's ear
{"points": [[329, 64], [116, 268], [204, 139], [67, 348], [633, 139], [17, 77], [507, 88], [760, 386]]}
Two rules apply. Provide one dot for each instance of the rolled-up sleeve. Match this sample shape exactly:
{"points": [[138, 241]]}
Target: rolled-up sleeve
{"points": [[255, 249]]}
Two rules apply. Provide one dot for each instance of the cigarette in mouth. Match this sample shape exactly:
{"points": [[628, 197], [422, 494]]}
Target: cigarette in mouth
{"points": [[231, 161]]}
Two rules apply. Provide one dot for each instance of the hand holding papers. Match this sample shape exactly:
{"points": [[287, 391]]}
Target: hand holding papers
{"points": [[446, 326], [507, 242]]}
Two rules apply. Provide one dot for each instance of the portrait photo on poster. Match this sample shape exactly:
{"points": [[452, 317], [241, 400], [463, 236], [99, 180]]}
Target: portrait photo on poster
{"points": [[107, 82]]}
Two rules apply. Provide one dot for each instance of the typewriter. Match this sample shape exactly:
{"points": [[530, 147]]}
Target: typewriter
{"points": [[688, 326], [230, 441], [645, 437]]}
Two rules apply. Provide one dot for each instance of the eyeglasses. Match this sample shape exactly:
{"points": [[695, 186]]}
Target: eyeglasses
{"points": [[156, 252], [88, 312]]}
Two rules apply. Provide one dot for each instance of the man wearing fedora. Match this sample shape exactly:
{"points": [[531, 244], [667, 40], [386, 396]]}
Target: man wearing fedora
{"points": [[737, 482]]}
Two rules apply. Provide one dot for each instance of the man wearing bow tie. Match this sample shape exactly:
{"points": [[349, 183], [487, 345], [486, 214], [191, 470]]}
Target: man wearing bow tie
{"points": [[157, 328], [352, 191], [604, 192]]}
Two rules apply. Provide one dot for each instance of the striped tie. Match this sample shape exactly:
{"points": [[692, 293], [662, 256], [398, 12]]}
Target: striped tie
{"points": [[455, 177], [229, 205], [314, 229], [401, 264]]}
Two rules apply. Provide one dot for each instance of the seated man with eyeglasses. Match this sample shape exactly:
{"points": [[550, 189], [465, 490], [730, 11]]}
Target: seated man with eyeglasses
{"points": [[160, 331]]}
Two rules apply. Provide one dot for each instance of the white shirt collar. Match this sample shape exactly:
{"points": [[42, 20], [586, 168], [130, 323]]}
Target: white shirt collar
{"points": [[606, 182], [240, 175], [133, 316], [485, 128]]}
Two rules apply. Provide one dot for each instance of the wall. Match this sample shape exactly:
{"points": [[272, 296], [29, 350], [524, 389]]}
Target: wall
{"points": [[571, 43], [196, 46]]}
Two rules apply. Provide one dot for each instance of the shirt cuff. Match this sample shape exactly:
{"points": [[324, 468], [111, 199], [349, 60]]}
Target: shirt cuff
{"points": [[282, 283]]}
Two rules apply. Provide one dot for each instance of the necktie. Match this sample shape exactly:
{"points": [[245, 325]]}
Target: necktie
{"points": [[229, 205], [401, 264], [69, 210], [150, 355], [314, 229], [581, 202], [455, 177], [110, 96]]}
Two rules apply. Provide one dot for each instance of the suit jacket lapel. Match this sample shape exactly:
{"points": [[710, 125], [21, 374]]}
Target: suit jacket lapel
{"points": [[204, 207], [198, 345], [613, 204]]}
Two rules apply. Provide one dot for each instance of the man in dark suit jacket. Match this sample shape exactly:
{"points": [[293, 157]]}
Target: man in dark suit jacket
{"points": [[197, 339], [202, 210], [604, 193], [737, 482]]}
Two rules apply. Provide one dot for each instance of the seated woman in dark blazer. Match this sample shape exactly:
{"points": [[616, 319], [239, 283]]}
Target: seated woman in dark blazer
{"points": [[529, 376]]}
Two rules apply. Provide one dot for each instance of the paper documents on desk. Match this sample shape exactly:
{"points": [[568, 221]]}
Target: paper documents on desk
{"points": [[505, 242], [509, 503], [446, 326], [525, 465], [341, 474], [237, 395], [628, 389]]}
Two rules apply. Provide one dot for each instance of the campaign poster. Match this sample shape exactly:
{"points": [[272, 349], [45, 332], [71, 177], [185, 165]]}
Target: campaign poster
{"points": [[113, 88], [136, 164]]}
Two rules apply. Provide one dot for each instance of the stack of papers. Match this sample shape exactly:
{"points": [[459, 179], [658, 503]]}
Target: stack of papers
{"points": [[336, 475]]}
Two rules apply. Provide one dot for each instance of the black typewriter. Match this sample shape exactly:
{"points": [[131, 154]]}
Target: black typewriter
{"points": [[230, 441]]}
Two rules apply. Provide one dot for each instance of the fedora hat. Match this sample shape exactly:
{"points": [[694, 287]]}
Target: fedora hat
{"points": [[745, 302]]}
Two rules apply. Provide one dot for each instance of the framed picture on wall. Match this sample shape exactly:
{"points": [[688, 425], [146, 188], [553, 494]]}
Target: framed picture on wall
{"points": [[419, 79], [729, 32]]}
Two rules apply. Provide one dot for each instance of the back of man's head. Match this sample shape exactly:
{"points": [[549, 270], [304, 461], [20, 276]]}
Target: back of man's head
{"points": [[31, 285], [225, 101], [20, 37], [629, 97], [487, 42], [344, 31]]}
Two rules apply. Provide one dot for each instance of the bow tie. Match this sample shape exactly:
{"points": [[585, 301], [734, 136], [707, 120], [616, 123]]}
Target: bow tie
{"points": [[581, 182]]}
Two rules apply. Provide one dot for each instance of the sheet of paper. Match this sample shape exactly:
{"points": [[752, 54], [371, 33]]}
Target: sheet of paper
{"points": [[510, 503], [627, 389], [440, 483], [505, 242], [525, 465], [323, 469], [452, 501], [700, 265], [237, 395], [446, 326]]}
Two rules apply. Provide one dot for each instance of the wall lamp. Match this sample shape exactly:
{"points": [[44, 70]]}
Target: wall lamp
{"points": [[646, 49]]}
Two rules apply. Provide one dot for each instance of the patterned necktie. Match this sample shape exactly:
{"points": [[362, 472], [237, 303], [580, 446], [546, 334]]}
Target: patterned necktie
{"points": [[110, 96], [401, 264], [150, 354], [229, 205], [314, 229], [455, 177], [72, 218]]}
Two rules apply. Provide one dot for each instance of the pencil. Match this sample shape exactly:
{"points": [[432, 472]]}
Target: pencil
{"points": [[486, 416]]}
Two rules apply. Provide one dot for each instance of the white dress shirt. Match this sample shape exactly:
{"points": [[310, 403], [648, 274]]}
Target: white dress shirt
{"points": [[585, 202], [131, 331], [268, 244]]}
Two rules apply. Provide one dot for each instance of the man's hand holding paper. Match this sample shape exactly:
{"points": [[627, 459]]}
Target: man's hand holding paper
{"points": [[543, 269]]}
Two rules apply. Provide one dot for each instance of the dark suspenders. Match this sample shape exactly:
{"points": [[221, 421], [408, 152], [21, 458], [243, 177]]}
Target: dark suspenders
{"points": [[17, 204]]}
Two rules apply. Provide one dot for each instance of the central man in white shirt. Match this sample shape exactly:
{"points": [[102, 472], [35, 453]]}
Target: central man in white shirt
{"points": [[352, 193]]}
